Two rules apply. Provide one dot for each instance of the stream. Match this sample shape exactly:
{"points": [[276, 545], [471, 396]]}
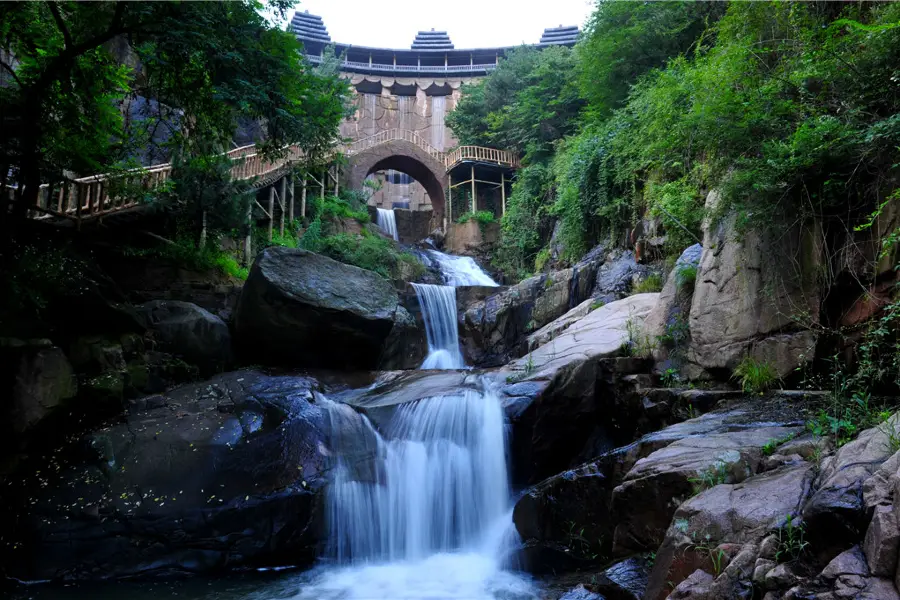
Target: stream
{"points": [[417, 509]]}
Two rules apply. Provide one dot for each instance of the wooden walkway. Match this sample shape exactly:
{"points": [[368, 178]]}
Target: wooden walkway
{"points": [[97, 196]]}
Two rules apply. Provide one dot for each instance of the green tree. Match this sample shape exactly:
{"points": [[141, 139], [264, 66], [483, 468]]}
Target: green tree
{"points": [[624, 40], [529, 102], [69, 66]]}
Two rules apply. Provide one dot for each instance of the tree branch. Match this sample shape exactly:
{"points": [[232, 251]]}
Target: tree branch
{"points": [[60, 23], [11, 72]]}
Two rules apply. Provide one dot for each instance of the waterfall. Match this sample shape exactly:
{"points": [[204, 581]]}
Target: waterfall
{"points": [[460, 270], [387, 222], [421, 508], [438, 303]]}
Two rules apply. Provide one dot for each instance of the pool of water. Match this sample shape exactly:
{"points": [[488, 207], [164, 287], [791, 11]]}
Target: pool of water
{"points": [[450, 576]]}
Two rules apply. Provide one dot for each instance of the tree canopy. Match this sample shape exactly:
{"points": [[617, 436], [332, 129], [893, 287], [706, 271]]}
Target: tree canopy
{"points": [[786, 108], [70, 70]]}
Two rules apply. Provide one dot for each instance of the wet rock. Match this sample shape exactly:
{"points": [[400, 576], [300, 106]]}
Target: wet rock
{"points": [[697, 586], [626, 580], [559, 423], [563, 521], [495, 329], [302, 309], [37, 380], [646, 500], [780, 577], [208, 476], [616, 276], [188, 331], [882, 542], [742, 513], [580, 592], [668, 321], [836, 514], [600, 334]]}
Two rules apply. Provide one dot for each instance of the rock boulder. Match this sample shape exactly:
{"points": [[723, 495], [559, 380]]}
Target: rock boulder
{"points": [[206, 477], [752, 290], [302, 309], [190, 332]]}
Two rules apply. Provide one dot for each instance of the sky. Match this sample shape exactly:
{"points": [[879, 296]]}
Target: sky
{"points": [[469, 23]]}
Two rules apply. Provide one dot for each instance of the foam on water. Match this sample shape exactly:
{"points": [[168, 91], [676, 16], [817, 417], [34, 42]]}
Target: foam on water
{"points": [[421, 509], [460, 270], [386, 220], [438, 303]]}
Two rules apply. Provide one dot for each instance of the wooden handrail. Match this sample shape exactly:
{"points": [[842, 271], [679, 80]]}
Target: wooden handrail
{"points": [[90, 197]]}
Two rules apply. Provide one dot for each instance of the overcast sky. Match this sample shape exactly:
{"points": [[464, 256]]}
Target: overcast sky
{"points": [[470, 23]]}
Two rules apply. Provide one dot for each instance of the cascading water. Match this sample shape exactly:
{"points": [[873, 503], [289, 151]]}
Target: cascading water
{"points": [[386, 220], [421, 510], [459, 270], [438, 303]]}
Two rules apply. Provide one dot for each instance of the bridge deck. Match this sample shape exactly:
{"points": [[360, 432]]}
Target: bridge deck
{"points": [[97, 196]]}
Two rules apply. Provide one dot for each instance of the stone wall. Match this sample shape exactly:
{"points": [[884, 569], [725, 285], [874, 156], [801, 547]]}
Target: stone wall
{"points": [[415, 104]]}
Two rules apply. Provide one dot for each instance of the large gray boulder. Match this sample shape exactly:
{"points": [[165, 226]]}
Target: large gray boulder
{"points": [[209, 476], [755, 290], [186, 330], [40, 380], [303, 309], [495, 330]]}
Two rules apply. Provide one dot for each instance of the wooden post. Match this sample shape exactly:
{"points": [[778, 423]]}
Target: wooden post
{"points": [[337, 177], [291, 201], [271, 210], [448, 218], [324, 178], [247, 254], [282, 196], [474, 200], [503, 192], [203, 230], [303, 197]]}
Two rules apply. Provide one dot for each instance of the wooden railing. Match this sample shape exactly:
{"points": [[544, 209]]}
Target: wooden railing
{"points": [[482, 154], [391, 135], [448, 159], [100, 195]]}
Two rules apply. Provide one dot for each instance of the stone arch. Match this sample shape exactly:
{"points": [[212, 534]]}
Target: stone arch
{"points": [[408, 158]]}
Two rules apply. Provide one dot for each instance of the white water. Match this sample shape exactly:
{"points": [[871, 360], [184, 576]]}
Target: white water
{"points": [[387, 222], [438, 304], [460, 270], [421, 512]]}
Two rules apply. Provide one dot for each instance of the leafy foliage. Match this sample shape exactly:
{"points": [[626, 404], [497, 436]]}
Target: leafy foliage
{"points": [[72, 70], [788, 109], [367, 251], [755, 376]]}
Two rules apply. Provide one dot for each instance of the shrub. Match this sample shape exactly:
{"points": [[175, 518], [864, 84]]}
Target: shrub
{"points": [[367, 251], [686, 276], [482, 216], [651, 283], [755, 376]]}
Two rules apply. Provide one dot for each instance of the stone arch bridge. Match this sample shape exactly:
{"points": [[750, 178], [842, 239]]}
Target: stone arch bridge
{"points": [[404, 150]]}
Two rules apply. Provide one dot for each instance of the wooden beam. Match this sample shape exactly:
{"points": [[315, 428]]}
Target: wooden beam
{"points": [[281, 198], [303, 198], [503, 192], [474, 198], [290, 199], [271, 210], [449, 216], [247, 254]]}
